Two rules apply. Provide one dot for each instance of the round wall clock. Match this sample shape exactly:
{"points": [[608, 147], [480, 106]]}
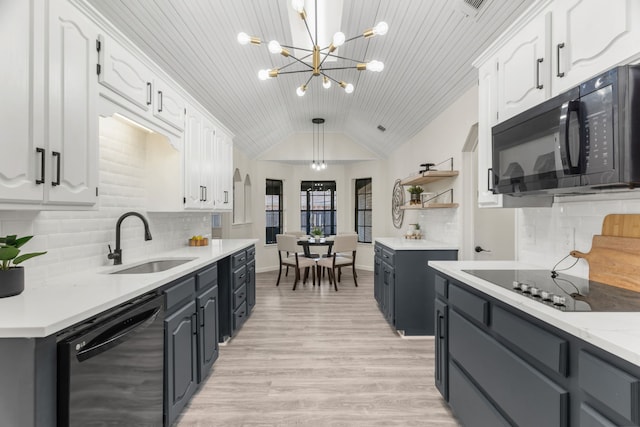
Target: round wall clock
{"points": [[397, 200]]}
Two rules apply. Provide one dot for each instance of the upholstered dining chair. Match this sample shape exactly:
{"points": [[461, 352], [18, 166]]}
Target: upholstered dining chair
{"points": [[288, 256], [298, 234], [342, 243]]}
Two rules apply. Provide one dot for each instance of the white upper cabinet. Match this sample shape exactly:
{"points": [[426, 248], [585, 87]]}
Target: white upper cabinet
{"points": [[208, 164], [168, 105], [125, 74], [20, 164], [487, 116], [73, 118], [193, 136], [591, 36], [129, 83], [523, 66], [208, 167], [53, 163], [224, 172], [199, 166]]}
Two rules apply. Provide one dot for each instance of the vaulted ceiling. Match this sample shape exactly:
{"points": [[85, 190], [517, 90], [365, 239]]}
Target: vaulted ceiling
{"points": [[427, 54]]}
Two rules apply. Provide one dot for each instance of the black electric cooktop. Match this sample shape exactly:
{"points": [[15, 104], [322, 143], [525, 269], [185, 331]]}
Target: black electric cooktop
{"points": [[563, 292]]}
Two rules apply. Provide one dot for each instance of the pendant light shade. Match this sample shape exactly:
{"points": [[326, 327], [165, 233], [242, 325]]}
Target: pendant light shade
{"points": [[318, 145]]}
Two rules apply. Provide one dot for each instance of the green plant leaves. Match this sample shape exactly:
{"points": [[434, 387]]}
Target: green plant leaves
{"points": [[8, 252], [25, 257]]}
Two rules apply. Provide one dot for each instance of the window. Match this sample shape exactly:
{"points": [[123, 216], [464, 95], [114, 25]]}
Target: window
{"points": [[273, 209], [363, 209], [318, 206]]}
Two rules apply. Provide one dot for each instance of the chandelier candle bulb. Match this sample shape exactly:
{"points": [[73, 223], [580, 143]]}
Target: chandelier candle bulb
{"points": [[326, 83], [244, 38], [348, 87], [301, 90]]}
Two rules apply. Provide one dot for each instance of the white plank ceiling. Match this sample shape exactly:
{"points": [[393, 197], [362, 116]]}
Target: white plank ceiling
{"points": [[427, 55]]}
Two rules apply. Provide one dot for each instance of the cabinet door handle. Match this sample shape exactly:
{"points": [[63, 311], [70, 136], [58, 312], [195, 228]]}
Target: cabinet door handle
{"points": [[57, 156], [194, 324], [226, 197], [538, 84], [558, 47], [205, 194], [41, 180], [149, 92], [160, 101], [490, 179]]}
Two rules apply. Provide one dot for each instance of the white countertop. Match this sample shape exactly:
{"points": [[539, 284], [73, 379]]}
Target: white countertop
{"points": [[617, 333], [402, 244], [47, 307]]}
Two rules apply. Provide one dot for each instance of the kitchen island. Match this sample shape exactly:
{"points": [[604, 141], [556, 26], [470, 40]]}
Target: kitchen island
{"points": [[404, 283], [207, 297], [503, 358]]}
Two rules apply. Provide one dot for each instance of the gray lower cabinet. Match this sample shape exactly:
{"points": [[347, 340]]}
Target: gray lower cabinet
{"points": [[404, 287], [208, 331], [191, 336], [236, 288], [181, 346], [251, 285], [497, 365]]}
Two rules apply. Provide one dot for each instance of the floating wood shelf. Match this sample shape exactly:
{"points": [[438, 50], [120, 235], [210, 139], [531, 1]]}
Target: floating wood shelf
{"points": [[428, 177]]}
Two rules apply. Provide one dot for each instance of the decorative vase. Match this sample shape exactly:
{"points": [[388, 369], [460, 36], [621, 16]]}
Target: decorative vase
{"points": [[415, 199], [11, 282]]}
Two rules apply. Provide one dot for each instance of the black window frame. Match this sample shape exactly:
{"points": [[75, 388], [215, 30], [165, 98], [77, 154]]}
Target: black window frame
{"points": [[361, 183], [329, 221], [273, 187]]}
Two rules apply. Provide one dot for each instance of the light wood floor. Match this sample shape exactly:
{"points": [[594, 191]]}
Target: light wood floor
{"points": [[316, 357]]}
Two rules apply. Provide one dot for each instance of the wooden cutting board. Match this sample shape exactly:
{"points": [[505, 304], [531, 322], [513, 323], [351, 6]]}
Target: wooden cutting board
{"points": [[621, 225], [614, 258]]}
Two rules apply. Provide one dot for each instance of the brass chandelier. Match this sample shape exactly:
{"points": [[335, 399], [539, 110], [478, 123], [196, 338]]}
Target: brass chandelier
{"points": [[317, 54]]}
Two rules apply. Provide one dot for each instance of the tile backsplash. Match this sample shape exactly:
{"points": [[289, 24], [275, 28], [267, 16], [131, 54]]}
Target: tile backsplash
{"points": [[546, 235], [77, 240]]}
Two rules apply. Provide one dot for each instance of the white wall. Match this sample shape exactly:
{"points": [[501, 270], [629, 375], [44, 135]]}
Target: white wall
{"points": [[77, 240], [444, 137], [337, 147]]}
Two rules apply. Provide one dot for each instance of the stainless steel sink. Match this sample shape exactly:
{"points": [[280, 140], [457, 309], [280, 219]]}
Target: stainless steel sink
{"points": [[155, 266]]}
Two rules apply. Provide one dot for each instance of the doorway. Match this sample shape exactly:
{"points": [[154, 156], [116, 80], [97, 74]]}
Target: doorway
{"points": [[488, 233]]}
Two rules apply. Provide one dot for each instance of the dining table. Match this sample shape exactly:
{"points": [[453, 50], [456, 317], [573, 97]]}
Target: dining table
{"points": [[308, 242]]}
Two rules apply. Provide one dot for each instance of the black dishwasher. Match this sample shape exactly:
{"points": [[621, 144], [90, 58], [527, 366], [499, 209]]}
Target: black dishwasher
{"points": [[110, 368]]}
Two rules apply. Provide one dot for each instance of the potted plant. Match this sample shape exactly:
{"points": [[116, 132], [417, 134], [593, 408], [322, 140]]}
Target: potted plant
{"points": [[12, 276], [415, 191], [316, 232]]}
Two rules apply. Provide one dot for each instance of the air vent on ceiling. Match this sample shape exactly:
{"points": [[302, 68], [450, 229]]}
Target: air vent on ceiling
{"points": [[469, 7]]}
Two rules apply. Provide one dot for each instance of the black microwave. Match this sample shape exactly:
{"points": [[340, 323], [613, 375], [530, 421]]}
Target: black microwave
{"points": [[583, 140]]}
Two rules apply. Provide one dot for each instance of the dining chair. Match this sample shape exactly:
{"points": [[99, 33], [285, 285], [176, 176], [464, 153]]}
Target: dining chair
{"points": [[342, 243], [298, 235], [288, 256], [347, 255]]}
